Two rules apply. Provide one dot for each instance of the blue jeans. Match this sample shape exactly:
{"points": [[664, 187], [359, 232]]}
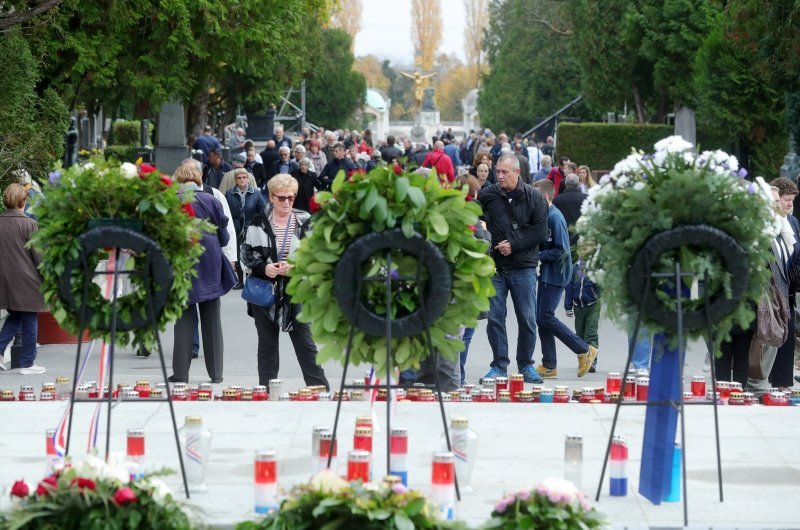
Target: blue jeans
{"points": [[468, 333], [551, 327], [521, 283], [27, 320], [643, 346]]}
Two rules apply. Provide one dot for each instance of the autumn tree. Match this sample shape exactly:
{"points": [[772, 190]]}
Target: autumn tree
{"points": [[426, 30], [477, 12], [346, 16], [372, 69]]}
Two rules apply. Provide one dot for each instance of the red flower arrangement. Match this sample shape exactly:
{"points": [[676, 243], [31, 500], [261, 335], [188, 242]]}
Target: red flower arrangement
{"points": [[20, 489], [125, 496]]}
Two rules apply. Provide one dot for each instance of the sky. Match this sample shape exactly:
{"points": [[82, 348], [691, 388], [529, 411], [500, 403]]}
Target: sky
{"points": [[386, 30]]}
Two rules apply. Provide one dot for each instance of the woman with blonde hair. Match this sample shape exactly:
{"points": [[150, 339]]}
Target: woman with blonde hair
{"points": [[585, 178], [215, 277], [271, 238]]}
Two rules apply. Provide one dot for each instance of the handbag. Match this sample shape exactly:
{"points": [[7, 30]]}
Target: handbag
{"points": [[259, 291]]}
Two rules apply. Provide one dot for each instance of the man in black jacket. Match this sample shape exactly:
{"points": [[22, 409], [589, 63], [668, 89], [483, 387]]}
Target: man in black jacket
{"points": [[569, 204], [332, 168], [516, 216]]}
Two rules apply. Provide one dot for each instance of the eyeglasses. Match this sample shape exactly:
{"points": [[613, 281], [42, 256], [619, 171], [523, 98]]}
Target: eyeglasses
{"points": [[284, 198]]}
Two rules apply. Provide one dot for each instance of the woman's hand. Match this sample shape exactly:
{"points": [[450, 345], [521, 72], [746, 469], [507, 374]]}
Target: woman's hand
{"points": [[284, 268], [272, 270]]}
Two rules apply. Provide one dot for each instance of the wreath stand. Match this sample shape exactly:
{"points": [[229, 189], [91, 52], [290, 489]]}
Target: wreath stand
{"points": [[348, 282], [156, 274], [735, 261]]}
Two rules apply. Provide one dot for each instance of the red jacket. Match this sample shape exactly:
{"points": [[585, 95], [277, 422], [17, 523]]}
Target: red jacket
{"points": [[557, 176], [442, 163]]}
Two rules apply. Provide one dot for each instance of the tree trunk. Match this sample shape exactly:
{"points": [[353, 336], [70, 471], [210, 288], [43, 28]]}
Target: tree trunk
{"points": [[637, 99]]}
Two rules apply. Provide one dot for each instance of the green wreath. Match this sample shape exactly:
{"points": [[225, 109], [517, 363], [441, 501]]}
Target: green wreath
{"points": [[109, 193], [646, 195], [380, 201]]}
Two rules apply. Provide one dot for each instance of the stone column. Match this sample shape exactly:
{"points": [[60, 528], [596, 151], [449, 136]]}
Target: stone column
{"points": [[685, 125], [171, 148]]}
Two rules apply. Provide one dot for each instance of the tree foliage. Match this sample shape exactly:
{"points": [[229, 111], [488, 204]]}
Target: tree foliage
{"points": [[333, 90], [477, 12], [32, 124], [346, 15], [532, 72], [426, 30]]}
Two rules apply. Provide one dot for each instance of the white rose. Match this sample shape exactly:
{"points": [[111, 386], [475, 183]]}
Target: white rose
{"points": [[158, 488], [129, 170], [326, 481], [673, 144]]}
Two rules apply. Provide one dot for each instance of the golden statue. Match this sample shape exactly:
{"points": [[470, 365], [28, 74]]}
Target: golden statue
{"points": [[419, 90]]}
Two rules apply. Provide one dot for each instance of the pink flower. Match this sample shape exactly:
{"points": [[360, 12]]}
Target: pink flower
{"points": [[524, 495], [399, 489], [20, 489], [125, 496]]}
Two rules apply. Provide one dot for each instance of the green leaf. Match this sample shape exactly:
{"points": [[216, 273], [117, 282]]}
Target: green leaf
{"points": [[439, 223], [417, 196], [401, 187], [336, 185], [160, 208], [144, 205], [408, 226], [370, 201], [402, 521]]}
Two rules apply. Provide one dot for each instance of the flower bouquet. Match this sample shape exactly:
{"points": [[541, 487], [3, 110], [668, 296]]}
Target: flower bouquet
{"points": [[94, 495], [328, 501], [555, 504], [676, 194]]}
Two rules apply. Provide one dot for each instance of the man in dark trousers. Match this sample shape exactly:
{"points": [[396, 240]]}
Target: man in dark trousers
{"points": [[569, 203], [516, 216]]}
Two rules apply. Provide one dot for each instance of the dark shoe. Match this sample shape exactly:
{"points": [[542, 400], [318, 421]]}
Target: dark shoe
{"points": [[216, 381], [173, 379], [142, 352], [195, 354], [593, 369], [797, 378], [238, 286]]}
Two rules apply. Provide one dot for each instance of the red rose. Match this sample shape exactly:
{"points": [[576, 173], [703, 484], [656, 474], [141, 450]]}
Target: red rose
{"points": [[47, 485], [83, 483], [188, 209], [125, 496], [398, 170], [20, 489], [313, 205], [356, 172], [472, 227], [145, 169], [166, 181], [468, 197]]}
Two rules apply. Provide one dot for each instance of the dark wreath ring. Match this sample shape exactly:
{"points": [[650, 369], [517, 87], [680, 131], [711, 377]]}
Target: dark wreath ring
{"points": [[734, 260], [348, 278], [156, 271]]}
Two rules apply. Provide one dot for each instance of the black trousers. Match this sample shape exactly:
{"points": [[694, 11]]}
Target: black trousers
{"points": [[734, 363], [269, 357], [211, 333]]}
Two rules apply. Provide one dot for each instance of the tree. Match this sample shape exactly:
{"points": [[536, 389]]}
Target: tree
{"points": [[142, 53], [372, 69], [333, 90], [347, 16], [32, 124], [426, 30], [16, 15], [477, 21], [532, 72]]}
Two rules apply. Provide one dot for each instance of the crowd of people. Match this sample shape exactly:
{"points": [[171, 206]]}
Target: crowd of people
{"points": [[260, 204]]}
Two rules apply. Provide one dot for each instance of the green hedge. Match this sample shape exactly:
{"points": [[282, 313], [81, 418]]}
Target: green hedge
{"points": [[601, 145], [123, 153], [126, 132]]}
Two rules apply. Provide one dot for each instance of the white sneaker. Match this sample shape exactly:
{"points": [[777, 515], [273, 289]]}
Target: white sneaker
{"points": [[32, 370]]}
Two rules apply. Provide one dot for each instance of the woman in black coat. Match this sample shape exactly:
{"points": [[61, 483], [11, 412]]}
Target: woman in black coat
{"points": [[306, 184]]}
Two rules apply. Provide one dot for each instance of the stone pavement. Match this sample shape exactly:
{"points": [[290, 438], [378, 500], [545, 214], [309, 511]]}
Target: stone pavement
{"points": [[520, 444]]}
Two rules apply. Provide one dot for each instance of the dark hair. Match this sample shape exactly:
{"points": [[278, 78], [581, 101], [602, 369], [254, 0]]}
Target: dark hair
{"points": [[339, 145], [390, 140], [215, 150]]}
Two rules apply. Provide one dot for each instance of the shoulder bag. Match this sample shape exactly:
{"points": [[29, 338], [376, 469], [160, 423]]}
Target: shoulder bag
{"points": [[259, 291]]}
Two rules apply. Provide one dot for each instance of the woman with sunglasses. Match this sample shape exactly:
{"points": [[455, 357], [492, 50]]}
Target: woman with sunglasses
{"points": [[271, 237]]}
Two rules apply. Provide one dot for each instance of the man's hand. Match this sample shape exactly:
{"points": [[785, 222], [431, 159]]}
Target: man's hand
{"points": [[504, 248]]}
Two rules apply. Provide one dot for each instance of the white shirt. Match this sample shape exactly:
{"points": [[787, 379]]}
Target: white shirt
{"points": [[228, 250]]}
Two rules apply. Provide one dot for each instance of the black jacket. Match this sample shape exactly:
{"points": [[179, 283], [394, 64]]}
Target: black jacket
{"points": [[530, 216], [332, 168], [569, 204], [390, 152]]}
